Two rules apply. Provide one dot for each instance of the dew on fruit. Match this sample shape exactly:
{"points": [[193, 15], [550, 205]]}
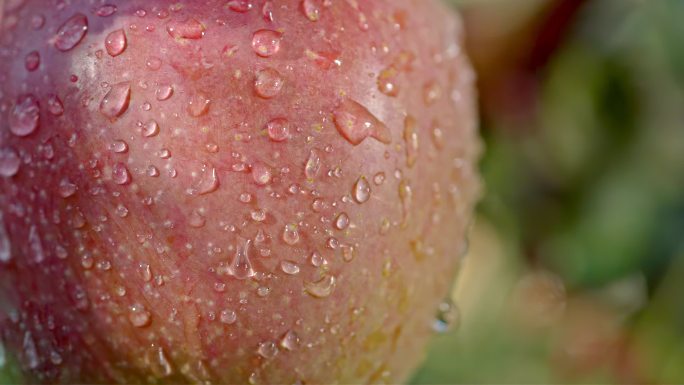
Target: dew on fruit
{"points": [[37, 22], [361, 190], [289, 267], [261, 174], [189, 29], [66, 188], [411, 139], [447, 318], [278, 129], [196, 219], [55, 106], [437, 136], [158, 362], [152, 171], [9, 162], [116, 101], [263, 291], [291, 234], [150, 129], [32, 61], [115, 42], [240, 6], [311, 9], [313, 165], [349, 253], [25, 116], [379, 178], [206, 181], [267, 11], [432, 92], [119, 146], [198, 105], [5, 244], [153, 63], [387, 81], [406, 197], [138, 316], [121, 211], [227, 317], [70, 34], [164, 92], [36, 244], [321, 288], [289, 340], [355, 123], [241, 267], [317, 259], [258, 215], [266, 42], [106, 10], [267, 349], [342, 221], [268, 83], [120, 174], [30, 350]]}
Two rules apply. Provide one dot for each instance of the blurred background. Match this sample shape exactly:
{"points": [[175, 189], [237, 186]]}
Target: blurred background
{"points": [[576, 267]]}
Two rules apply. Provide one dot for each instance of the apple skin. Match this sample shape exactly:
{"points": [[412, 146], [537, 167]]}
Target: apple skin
{"points": [[230, 191]]}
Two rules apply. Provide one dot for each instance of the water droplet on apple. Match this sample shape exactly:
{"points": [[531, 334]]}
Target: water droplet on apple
{"points": [[116, 42], [198, 105], [196, 219], [266, 42], [120, 174], [289, 267], [206, 182], [71, 32], [164, 92], [139, 316], [119, 146], [289, 341], [311, 9], [267, 349], [268, 83], [240, 6], [66, 188], [313, 165], [9, 162], [188, 29], [25, 116], [150, 129], [261, 174], [106, 10], [447, 317], [342, 221], [116, 101], [362, 190], [55, 106], [355, 123], [411, 139], [241, 267], [291, 234], [278, 129], [32, 61], [321, 288]]}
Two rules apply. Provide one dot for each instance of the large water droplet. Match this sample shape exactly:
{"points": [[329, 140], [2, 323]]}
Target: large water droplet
{"points": [[32, 61], [30, 351], [71, 32], [411, 139], [5, 244], [198, 105], [120, 174], [311, 9], [447, 317], [116, 101], [55, 106], [106, 10], [267, 349], [164, 92], [387, 81], [289, 267], [116, 42], [240, 6], [313, 165], [321, 288], [241, 267], [355, 123], [188, 29], [66, 188], [342, 221], [206, 182], [291, 234], [25, 116], [268, 83], [9, 162], [362, 190], [228, 316], [150, 129], [278, 129], [289, 341], [261, 174], [139, 316], [159, 363], [266, 42], [36, 244], [119, 146]]}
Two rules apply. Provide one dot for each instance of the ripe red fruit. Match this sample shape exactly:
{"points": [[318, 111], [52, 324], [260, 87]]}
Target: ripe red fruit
{"points": [[265, 191]]}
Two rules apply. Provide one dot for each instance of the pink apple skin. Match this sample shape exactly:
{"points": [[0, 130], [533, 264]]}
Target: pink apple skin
{"points": [[230, 191]]}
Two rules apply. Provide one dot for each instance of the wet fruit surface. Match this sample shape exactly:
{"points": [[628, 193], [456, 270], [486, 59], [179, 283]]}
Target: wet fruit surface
{"points": [[231, 191]]}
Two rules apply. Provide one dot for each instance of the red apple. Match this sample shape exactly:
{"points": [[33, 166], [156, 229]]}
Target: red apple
{"points": [[230, 191]]}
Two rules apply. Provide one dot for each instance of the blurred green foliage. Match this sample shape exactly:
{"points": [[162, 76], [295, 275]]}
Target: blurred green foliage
{"points": [[590, 187]]}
